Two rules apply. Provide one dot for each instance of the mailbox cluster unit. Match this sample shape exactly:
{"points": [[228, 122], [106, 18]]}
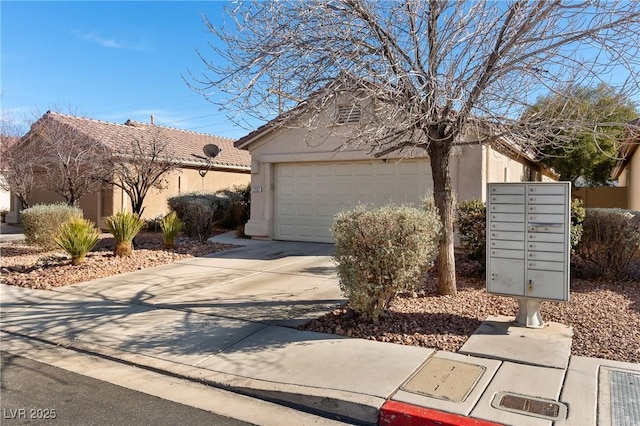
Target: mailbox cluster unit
{"points": [[528, 243]]}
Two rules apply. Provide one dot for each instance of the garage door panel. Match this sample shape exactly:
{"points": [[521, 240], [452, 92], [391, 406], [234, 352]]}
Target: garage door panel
{"points": [[309, 195]]}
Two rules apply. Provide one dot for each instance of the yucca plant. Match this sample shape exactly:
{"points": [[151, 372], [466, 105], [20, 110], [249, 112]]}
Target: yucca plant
{"points": [[124, 226], [77, 237], [171, 225]]}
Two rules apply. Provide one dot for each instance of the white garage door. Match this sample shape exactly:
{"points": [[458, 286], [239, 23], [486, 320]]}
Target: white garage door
{"points": [[308, 195]]}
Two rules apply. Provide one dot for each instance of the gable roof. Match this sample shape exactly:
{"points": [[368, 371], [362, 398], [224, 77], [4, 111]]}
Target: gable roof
{"points": [[184, 146], [509, 146], [628, 148]]}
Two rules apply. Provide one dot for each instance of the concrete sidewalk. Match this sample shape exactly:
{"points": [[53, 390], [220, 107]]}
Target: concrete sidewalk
{"points": [[227, 320]]}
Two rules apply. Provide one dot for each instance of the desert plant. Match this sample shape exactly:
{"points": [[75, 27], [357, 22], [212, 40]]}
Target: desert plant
{"points": [[381, 252], [171, 225], [610, 244], [124, 226], [41, 223], [77, 237]]}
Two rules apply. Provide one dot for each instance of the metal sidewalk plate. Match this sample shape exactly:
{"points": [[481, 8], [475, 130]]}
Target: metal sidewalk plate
{"points": [[625, 398], [530, 406], [444, 379]]}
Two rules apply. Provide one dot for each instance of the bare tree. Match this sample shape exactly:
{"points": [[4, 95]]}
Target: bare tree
{"points": [[71, 162], [141, 165], [437, 73], [17, 164]]}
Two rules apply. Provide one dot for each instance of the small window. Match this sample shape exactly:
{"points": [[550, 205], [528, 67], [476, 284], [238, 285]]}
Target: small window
{"points": [[348, 114]]}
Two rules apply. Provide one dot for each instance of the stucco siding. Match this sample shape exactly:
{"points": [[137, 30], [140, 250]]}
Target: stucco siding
{"points": [[633, 181]]}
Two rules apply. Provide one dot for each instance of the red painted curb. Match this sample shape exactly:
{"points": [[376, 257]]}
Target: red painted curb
{"points": [[394, 413]]}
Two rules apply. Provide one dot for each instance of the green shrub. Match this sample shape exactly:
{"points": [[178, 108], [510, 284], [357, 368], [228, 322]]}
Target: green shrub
{"points": [[381, 252], [124, 226], [237, 211], [577, 218], [610, 245], [77, 237], [42, 222], [199, 212], [472, 223], [171, 225]]}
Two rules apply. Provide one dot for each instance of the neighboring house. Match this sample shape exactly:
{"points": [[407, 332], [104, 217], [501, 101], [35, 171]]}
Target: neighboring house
{"points": [[301, 179], [8, 201], [230, 167], [627, 168]]}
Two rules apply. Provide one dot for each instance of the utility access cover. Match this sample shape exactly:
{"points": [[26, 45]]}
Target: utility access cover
{"points": [[444, 379], [625, 394], [530, 405]]}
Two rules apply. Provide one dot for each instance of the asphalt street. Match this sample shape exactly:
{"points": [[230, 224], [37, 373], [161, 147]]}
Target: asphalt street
{"points": [[40, 394]]}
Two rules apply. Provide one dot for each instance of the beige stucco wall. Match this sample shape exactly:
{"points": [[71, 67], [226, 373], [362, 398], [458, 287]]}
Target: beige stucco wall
{"points": [[187, 181], [98, 206], [88, 203], [180, 182], [471, 167], [633, 182]]}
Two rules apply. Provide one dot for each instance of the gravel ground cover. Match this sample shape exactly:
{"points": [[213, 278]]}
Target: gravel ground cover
{"points": [[605, 316], [27, 266]]}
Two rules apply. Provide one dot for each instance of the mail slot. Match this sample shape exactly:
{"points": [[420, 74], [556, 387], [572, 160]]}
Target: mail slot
{"points": [[508, 189], [545, 237], [556, 200], [546, 218], [544, 208], [507, 208], [546, 227], [508, 226], [508, 199]]}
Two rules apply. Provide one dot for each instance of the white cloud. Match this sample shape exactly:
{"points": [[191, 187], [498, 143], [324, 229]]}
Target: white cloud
{"points": [[108, 42]]}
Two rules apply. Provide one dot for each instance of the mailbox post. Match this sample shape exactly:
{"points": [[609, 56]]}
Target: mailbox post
{"points": [[528, 244]]}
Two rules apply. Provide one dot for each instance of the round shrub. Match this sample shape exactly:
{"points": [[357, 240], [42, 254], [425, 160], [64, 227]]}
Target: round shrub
{"points": [[472, 223], [381, 252], [610, 244], [41, 223], [199, 212]]}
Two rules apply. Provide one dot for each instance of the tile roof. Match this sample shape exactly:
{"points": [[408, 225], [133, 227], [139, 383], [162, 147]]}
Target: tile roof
{"points": [[184, 145]]}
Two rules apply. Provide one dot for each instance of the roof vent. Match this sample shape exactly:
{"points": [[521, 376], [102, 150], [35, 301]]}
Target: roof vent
{"points": [[348, 114]]}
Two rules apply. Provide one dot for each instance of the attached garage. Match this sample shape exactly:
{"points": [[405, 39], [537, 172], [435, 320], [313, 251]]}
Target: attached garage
{"points": [[301, 177], [308, 195]]}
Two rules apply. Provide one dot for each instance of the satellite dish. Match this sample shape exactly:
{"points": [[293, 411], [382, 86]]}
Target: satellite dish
{"points": [[211, 150]]}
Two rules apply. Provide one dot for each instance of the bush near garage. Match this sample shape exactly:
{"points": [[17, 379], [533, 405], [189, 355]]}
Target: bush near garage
{"points": [[41, 223], [610, 245], [381, 253], [199, 212], [237, 213]]}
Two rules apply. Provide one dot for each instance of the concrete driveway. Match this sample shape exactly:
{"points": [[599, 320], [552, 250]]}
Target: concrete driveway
{"points": [[271, 282]]}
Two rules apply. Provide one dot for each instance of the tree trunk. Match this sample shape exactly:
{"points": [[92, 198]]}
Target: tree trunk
{"points": [[444, 199]]}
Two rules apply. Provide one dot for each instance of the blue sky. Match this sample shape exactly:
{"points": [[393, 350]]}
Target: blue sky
{"points": [[109, 60]]}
